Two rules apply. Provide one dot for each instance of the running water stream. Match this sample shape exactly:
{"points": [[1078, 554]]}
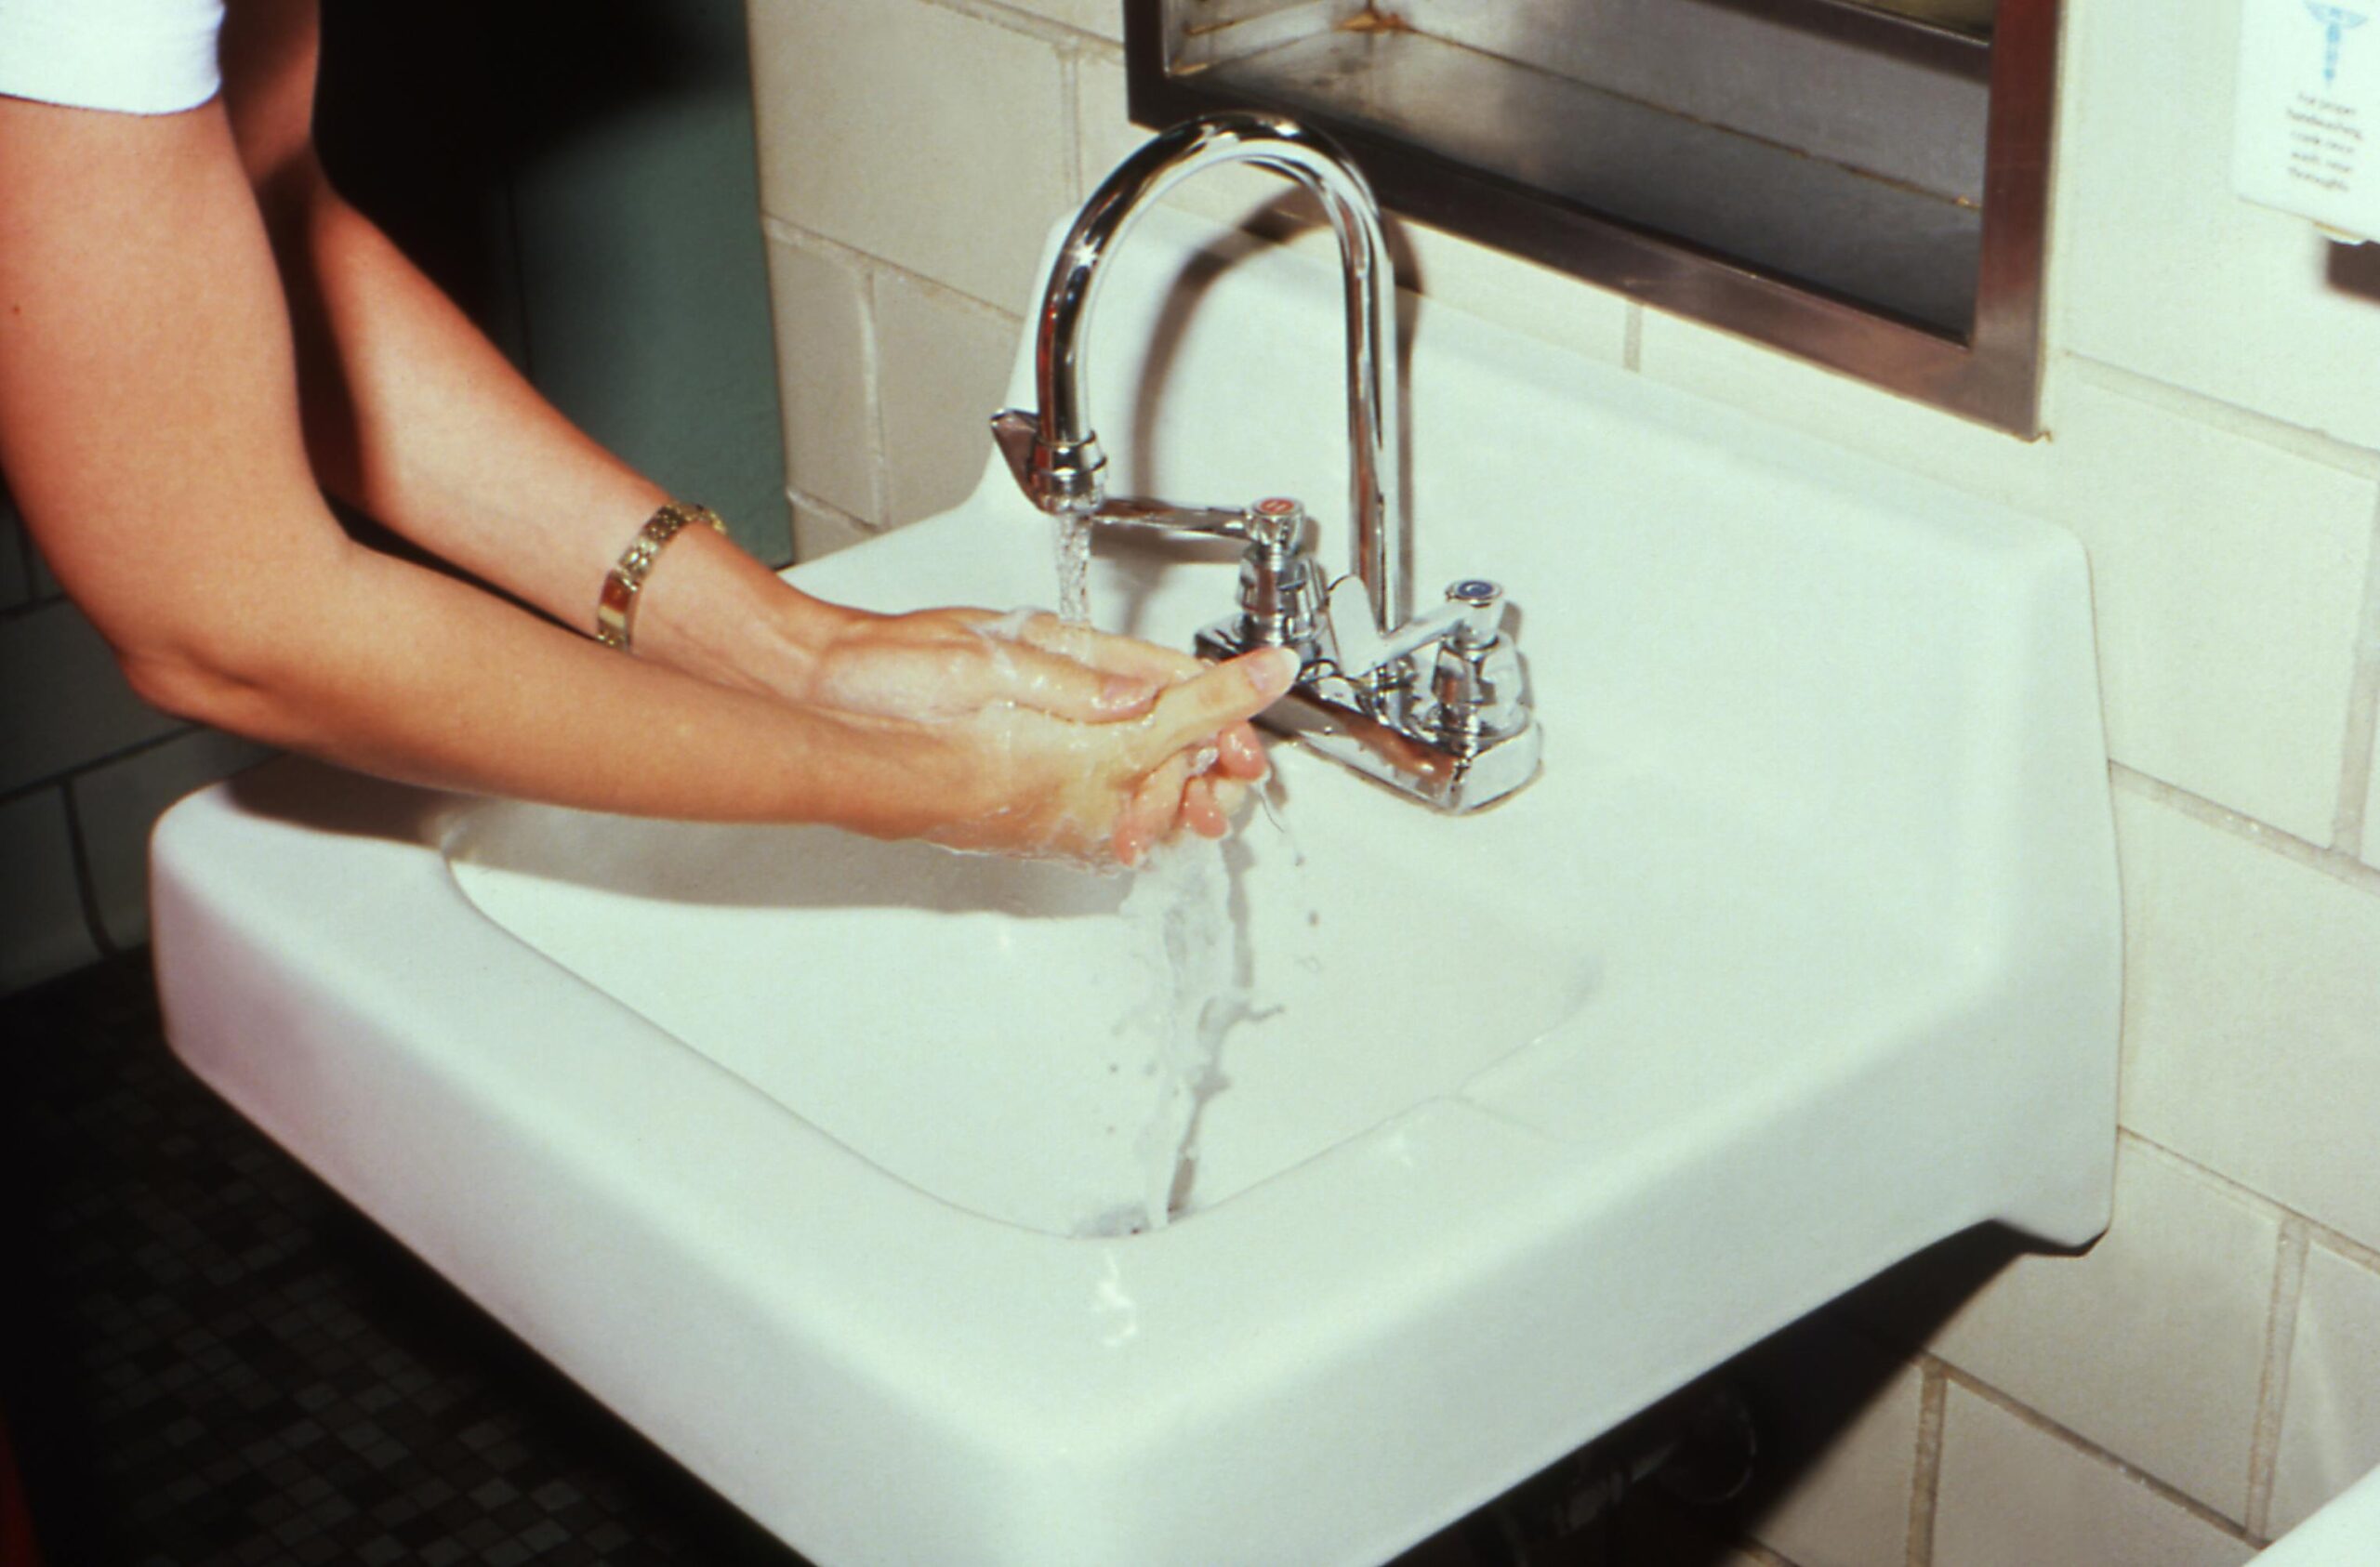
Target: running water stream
{"points": [[1180, 902], [1074, 568]]}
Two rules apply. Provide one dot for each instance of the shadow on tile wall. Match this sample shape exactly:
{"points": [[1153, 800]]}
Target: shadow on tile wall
{"points": [[580, 178]]}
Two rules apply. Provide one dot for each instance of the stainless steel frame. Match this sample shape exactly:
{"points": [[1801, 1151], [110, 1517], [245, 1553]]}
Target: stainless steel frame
{"points": [[1966, 342]]}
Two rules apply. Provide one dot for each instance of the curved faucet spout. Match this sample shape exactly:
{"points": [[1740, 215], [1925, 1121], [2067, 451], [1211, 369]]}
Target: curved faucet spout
{"points": [[1061, 472]]}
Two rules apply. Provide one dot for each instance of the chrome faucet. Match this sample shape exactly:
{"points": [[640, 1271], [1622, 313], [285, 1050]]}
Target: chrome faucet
{"points": [[1460, 739]]}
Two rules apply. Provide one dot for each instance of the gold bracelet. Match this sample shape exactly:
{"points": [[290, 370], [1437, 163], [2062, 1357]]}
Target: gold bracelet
{"points": [[617, 607]]}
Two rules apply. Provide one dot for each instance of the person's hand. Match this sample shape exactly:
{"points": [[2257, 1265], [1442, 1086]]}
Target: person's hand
{"points": [[945, 664], [1017, 780], [948, 663]]}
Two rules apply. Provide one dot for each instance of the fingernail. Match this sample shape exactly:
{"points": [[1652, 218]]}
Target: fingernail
{"points": [[1124, 694], [1275, 673]]}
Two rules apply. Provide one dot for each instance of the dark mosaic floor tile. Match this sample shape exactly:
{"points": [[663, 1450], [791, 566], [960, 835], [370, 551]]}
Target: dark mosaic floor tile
{"points": [[209, 1360]]}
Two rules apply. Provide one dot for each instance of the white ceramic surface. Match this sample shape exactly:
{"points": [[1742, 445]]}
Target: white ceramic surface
{"points": [[1802, 953], [2345, 1533]]}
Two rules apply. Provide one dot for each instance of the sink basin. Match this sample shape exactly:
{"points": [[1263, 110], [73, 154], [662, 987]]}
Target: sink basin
{"points": [[2338, 1535], [1042, 1025], [805, 1153]]}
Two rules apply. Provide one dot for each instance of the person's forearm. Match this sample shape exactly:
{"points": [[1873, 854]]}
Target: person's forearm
{"points": [[351, 655], [360, 659], [414, 417]]}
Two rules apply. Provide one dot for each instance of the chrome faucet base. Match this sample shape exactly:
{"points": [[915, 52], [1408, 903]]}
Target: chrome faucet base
{"points": [[1402, 748]]}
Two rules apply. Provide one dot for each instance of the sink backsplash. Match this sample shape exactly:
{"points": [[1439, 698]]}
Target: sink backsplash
{"points": [[2214, 439]]}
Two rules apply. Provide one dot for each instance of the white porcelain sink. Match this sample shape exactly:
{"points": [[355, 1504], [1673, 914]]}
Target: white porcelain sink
{"points": [[2346, 1532], [1026, 1005], [1801, 955]]}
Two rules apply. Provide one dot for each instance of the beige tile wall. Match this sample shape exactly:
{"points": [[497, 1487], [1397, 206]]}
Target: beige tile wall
{"points": [[84, 767], [2211, 1372]]}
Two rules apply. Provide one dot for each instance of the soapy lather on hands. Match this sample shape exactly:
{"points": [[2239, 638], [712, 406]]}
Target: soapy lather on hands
{"points": [[1108, 718]]}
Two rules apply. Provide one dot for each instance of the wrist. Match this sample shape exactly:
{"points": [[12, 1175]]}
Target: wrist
{"points": [[616, 607], [801, 631], [713, 611]]}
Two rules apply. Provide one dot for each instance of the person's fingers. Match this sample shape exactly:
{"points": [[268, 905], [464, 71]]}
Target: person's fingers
{"points": [[1240, 754], [1154, 809], [1052, 683], [1228, 793], [1195, 712], [1243, 752], [1101, 650], [1202, 811], [941, 663]]}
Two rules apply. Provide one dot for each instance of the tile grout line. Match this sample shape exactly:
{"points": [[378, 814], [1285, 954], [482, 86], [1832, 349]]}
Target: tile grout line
{"points": [[86, 887], [871, 392], [793, 504], [2348, 1247], [1023, 23], [780, 379], [803, 497], [1926, 1477], [2360, 1254], [2350, 830], [99, 763], [1072, 140], [802, 500], [2289, 846], [2026, 1413], [2272, 1393], [2299, 440], [2247, 1196], [793, 236]]}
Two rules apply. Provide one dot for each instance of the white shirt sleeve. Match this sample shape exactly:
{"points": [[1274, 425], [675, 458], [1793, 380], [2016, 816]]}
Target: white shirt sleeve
{"points": [[141, 57]]}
